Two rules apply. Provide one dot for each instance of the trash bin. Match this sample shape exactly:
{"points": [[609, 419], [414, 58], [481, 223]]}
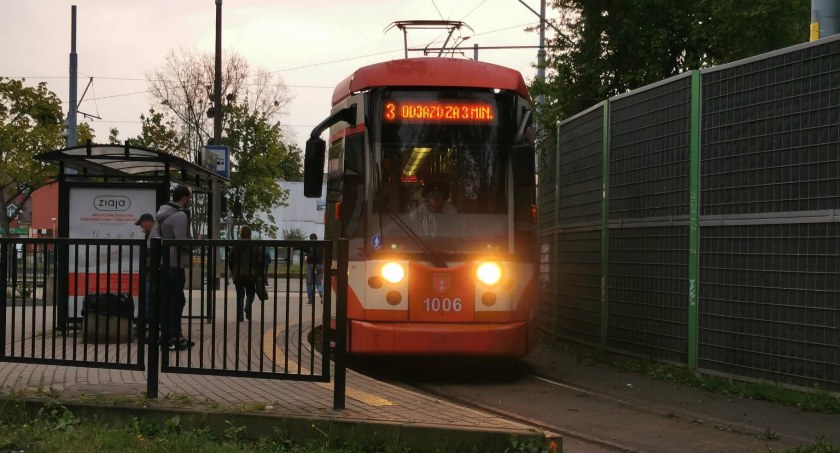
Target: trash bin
{"points": [[107, 318]]}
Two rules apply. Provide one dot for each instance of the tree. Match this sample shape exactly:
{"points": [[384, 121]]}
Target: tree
{"points": [[260, 154], [114, 136], [260, 157], [31, 121], [293, 234], [159, 133], [608, 47], [84, 132], [183, 87]]}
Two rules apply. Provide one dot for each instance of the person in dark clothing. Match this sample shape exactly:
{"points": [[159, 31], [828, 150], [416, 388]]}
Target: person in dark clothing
{"points": [[247, 265], [147, 223], [314, 271], [174, 223]]}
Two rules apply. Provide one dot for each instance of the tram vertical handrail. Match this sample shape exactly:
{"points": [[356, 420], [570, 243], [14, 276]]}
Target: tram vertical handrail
{"points": [[153, 343], [341, 325]]}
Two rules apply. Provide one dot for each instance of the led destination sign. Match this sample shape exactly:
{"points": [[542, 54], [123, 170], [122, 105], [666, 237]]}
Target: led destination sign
{"points": [[444, 112]]}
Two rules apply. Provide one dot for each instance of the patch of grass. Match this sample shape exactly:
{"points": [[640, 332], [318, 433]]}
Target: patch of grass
{"points": [[817, 401], [820, 446], [56, 429]]}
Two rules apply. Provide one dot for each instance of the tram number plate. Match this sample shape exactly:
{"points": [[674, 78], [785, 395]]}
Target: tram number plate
{"points": [[443, 305]]}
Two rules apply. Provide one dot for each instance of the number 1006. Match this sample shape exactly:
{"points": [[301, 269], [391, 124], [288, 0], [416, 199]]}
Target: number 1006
{"points": [[445, 305]]}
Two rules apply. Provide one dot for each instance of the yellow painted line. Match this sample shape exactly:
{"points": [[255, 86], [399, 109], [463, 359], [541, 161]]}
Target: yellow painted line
{"points": [[280, 359]]}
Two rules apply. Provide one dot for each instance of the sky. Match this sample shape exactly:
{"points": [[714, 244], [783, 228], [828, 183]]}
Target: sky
{"points": [[312, 44]]}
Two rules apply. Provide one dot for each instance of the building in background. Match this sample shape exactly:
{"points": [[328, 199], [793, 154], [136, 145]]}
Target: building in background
{"points": [[301, 213]]}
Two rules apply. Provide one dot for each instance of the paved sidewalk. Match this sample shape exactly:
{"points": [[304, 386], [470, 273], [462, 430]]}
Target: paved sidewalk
{"points": [[367, 398]]}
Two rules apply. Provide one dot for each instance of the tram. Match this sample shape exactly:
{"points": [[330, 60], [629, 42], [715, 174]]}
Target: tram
{"points": [[431, 176]]}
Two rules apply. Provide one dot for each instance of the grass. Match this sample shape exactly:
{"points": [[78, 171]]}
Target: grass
{"points": [[820, 446], [56, 429], [818, 400]]}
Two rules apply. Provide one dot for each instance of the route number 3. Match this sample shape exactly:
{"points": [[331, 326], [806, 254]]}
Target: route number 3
{"points": [[445, 305]]}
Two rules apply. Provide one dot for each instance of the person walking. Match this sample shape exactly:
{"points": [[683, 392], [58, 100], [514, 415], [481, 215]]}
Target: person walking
{"points": [[314, 271], [247, 265], [174, 223]]}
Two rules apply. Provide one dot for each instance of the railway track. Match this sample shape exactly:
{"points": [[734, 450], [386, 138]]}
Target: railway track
{"points": [[589, 420]]}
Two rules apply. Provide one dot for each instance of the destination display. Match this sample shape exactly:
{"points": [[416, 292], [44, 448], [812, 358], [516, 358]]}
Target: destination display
{"points": [[434, 111]]}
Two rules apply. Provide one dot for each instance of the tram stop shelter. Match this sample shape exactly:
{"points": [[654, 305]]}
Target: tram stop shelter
{"points": [[102, 191]]}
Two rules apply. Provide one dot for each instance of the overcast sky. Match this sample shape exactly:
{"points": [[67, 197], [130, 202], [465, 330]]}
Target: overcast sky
{"points": [[118, 40]]}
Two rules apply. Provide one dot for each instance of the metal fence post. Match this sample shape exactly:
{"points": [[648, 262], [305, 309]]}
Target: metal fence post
{"points": [[3, 277], [555, 234], [605, 223], [694, 214], [153, 343], [341, 325]]}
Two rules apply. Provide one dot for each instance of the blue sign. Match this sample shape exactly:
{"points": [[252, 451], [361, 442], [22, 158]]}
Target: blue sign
{"points": [[222, 166], [376, 242]]}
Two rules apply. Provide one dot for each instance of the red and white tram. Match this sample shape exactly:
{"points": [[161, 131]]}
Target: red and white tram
{"points": [[431, 178]]}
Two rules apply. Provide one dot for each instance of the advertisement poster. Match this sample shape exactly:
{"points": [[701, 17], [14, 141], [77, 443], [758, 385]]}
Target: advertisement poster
{"points": [[106, 213]]}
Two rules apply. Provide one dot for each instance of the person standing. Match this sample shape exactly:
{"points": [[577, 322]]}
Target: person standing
{"points": [[314, 271], [247, 265], [146, 222], [174, 223]]}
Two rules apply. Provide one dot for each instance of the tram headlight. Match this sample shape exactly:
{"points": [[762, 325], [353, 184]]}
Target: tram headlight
{"points": [[392, 272], [489, 273]]}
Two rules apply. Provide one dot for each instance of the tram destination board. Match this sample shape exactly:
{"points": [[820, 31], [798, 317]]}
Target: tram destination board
{"points": [[437, 111]]}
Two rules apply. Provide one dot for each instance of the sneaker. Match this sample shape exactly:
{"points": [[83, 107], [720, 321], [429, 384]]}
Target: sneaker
{"points": [[309, 302], [185, 343]]}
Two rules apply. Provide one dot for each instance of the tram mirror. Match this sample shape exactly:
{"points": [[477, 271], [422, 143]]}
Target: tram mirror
{"points": [[313, 167]]}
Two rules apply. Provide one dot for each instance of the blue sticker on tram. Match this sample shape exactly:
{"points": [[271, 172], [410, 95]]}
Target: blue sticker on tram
{"points": [[376, 241]]}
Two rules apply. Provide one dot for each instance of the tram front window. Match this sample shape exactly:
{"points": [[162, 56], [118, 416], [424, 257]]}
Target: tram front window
{"points": [[444, 181]]}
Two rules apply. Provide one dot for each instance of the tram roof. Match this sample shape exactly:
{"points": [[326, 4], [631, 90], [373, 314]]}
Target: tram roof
{"points": [[431, 72]]}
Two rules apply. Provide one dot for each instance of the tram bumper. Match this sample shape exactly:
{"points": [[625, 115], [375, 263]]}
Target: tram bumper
{"points": [[400, 338]]}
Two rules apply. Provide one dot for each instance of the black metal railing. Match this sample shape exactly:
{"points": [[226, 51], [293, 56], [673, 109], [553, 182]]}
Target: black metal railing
{"points": [[74, 308], [103, 303]]}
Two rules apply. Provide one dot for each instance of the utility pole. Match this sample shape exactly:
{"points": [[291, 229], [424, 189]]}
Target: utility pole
{"points": [[541, 55], [74, 69], [217, 82]]}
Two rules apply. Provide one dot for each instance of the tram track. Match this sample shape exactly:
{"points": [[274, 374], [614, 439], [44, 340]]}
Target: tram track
{"points": [[666, 422]]}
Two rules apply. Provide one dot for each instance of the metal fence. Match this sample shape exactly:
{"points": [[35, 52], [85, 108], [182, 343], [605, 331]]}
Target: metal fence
{"points": [[223, 308], [712, 224]]}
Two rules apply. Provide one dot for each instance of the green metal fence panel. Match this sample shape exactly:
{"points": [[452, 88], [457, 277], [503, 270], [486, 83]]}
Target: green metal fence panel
{"points": [[576, 306], [649, 156], [579, 286], [769, 302], [770, 195], [546, 226]]}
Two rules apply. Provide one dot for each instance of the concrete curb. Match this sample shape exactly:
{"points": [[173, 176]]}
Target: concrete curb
{"points": [[420, 437]]}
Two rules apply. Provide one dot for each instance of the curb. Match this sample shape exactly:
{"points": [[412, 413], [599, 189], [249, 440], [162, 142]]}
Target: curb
{"points": [[420, 437]]}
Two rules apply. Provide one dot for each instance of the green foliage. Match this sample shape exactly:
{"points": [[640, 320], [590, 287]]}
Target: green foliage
{"points": [[52, 432], [259, 157], [819, 446], [114, 136], [293, 234], [233, 432], [530, 446], [157, 132], [31, 121], [84, 132], [57, 417], [611, 46]]}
